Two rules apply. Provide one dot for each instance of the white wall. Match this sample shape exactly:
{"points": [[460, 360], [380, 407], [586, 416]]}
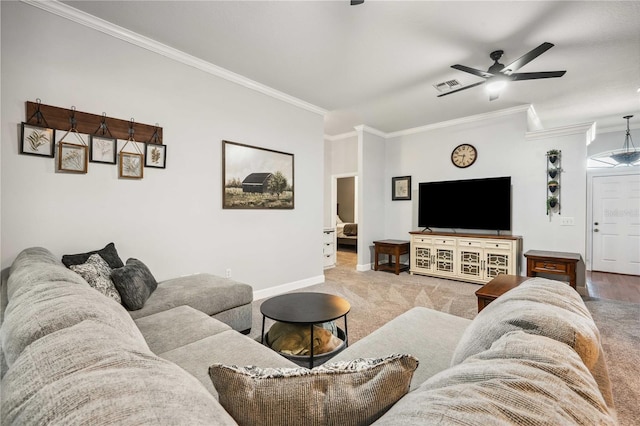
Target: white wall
{"points": [[340, 159], [172, 219], [371, 192], [503, 150]]}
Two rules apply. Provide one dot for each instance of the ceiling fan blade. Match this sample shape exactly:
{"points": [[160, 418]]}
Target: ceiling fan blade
{"points": [[473, 71], [526, 58], [356, 2], [536, 75], [462, 88]]}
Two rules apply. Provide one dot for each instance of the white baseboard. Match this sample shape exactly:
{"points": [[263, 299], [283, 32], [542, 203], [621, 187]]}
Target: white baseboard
{"points": [[365, 267], [274, 291]]}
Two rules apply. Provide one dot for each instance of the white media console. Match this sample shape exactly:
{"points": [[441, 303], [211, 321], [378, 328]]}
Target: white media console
{"points": [[466, 257]]}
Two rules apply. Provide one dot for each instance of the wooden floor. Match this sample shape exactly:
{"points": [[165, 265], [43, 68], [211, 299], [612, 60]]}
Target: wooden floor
{"points": [[625, 288], [614, 286]]}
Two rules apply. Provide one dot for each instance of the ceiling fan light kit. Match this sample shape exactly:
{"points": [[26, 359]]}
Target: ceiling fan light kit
{"points": [[498, 74], [496, 84]]}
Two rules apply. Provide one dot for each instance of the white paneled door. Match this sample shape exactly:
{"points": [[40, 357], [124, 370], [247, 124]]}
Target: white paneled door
{"points": [[616, 224]]}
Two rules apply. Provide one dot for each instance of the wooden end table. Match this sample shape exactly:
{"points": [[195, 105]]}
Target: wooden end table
{"points": [[391, 248], [553, 262], [496, 288]]}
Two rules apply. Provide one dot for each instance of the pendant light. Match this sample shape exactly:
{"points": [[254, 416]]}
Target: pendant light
{"points": [[629, 154]]}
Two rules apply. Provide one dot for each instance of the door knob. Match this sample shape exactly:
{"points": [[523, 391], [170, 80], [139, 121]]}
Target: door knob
{"points": [[596, 230], [596, 223]]}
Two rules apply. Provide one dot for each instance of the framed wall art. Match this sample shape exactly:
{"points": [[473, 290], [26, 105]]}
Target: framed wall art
{"points": [[102, 149], [37, 140], [130, 165], [155, 155], [401, 188], [256, 178], [72, 157]]}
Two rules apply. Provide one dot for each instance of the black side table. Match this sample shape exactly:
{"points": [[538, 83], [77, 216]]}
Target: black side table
{"points": [[306, 309]]}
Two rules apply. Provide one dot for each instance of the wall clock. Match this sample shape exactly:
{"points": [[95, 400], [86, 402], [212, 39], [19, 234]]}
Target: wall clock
{"points": [[464, 155]]}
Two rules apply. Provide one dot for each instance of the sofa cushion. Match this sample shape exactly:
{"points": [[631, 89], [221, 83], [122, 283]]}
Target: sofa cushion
{"points": [[97, 273], [537, 306], [108, 253], [135, 283], [92, 374], [36, 265], [228, 347], [205, 292], [177, 327], [427, 334], [353, 392], [38, 310], [522, 379]]}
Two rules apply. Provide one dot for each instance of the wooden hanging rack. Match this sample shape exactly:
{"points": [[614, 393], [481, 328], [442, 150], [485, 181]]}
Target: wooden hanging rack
{"points": [[58, 118]]}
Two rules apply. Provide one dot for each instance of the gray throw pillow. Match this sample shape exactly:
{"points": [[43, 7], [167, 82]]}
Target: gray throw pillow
{"points": [[97, 273], [108, 253], [135, 283], [346, 392]]}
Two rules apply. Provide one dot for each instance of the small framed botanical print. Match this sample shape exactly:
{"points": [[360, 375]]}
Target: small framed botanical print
{"points": [[72, 157], [37, 140], [130, 165], [155, 155], [401, 188], [102, 149]]}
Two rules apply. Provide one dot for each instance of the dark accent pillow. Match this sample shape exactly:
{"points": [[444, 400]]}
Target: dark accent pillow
{"points": [[135, 283], [108, 253]]}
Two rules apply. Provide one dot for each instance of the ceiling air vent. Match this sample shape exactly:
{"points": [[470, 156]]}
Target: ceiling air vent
{"points": [[447, 86]]}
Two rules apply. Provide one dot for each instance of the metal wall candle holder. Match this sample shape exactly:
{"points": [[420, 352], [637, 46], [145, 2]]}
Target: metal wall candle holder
{"points": [[554, 171]]}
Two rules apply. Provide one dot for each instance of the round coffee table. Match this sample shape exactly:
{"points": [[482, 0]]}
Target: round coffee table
{"points": [[306, 309]]}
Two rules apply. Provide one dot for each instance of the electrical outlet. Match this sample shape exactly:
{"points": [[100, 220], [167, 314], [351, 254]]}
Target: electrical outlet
{"points": [[566, 221], [228, 273]]}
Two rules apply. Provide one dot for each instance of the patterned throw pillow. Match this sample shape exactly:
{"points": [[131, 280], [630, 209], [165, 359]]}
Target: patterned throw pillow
{"points": [[97, 273], [349, 392]]}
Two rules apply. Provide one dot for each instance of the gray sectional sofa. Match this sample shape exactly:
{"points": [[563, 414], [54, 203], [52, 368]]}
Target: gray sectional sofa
{"points": [[73, 356]]}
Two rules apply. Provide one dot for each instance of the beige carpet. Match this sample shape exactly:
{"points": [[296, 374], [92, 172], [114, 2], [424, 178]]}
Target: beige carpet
{"points": [[378, 297], [619, 325]]}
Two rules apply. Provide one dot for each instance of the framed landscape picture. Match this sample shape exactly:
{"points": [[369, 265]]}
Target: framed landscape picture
{"points": [[130, 165], [102, 149], [72, 157], [256, 178], [401, 188], [155, 155], [37, 140]]}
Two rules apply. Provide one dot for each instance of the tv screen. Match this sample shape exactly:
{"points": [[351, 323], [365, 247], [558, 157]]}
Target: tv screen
{"points": [[483, 204]]}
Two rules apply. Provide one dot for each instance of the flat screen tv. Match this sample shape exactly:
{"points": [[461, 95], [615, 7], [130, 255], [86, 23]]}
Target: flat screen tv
{"points": [[483, 204]]}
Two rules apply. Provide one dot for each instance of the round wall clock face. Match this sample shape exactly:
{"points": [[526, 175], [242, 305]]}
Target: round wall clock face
{"points": [[464, 155]]}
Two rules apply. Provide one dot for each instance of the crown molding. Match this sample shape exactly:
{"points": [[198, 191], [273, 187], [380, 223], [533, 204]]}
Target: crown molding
{"points": [[588, 129], [463, 120], [374, 131], [65, 11], [348, 135]]}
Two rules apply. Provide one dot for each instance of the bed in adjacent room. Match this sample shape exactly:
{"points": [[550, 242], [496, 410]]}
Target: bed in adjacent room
{"points": [[346, 233]]}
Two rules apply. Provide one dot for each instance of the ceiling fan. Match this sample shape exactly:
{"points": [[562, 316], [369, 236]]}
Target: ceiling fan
{"points": [[498, 74]]}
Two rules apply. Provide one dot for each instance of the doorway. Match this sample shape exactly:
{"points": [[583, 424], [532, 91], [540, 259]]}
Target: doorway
{"points": [[615, 223], [344, 201]]}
